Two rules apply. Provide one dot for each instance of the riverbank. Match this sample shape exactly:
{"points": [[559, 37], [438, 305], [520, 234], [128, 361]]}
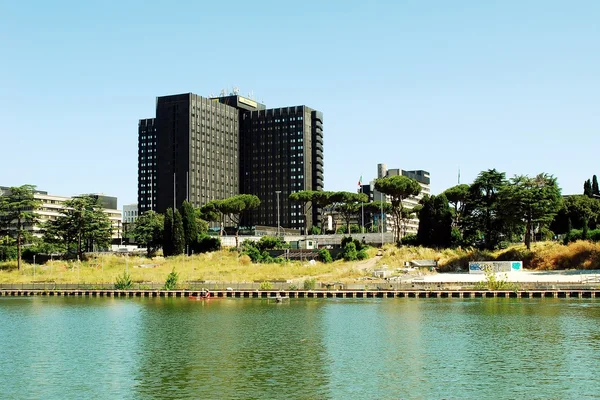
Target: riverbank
{"points": [[545, 262]]}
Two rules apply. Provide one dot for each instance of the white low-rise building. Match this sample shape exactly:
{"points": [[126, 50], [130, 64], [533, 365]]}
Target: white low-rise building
{"points": [[51, 208]]}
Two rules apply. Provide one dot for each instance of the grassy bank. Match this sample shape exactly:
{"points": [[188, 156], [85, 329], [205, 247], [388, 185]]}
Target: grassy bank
{"points": [[221, 266], [227, 266]]}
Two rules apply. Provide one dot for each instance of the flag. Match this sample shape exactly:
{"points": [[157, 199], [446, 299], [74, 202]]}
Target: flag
{"points": [[360, 181]]}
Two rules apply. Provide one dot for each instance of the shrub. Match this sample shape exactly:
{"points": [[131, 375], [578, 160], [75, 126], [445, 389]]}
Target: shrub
{"points": [[266, 286], [171, 282], [362, 255], [271, 243], [310, 284], [357, 244], [8, 253], [315, 230], [245, 259], [123, 282], [325, 256], [206, 244], [251, 251], [349, 253], [595, 235], [410, 240]]}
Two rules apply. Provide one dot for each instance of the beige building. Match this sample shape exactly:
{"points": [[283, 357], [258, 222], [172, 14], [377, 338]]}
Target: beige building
{"points": [[52, 205], [420, 176]]}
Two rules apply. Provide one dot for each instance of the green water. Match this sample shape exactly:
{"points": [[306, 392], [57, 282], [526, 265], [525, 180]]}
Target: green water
{"points": [[72, 348]]}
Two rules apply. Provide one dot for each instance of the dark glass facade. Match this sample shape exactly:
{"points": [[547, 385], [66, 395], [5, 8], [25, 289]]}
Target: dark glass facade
{"points": [[206, 149]]}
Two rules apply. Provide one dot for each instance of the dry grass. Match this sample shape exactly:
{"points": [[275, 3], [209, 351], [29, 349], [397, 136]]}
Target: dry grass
{"points": [[227, 266]]}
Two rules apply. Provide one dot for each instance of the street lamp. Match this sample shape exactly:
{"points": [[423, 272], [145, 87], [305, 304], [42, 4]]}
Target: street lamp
{"points": [[277, 193]]}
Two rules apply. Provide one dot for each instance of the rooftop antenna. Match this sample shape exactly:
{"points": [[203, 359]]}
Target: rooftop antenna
{"points": [[459, 175], [222, 93], [236, 90]]}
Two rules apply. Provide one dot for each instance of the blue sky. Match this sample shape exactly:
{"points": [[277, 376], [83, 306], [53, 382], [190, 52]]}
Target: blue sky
{"points": [[433, 85]]}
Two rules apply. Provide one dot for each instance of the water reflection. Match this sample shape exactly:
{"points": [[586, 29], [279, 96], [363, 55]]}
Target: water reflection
{"points": [[144, 348], [237, 348]]}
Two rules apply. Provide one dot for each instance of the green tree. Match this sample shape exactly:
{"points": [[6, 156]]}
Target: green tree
{"points": [[190, 225], [320, 200], [304, 198], [533, 201], [178, 234], [435, 222], [237, 206], [84, 223], [587, 188], [350, 205], [215, 211], [484, 211], [377, 208], [585, 233], [148, 231], [457, 197], [595, 189], [399, 188], [168, 233], [577, 208], [17, 213]]}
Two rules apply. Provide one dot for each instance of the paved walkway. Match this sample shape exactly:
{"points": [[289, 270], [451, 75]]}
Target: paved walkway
{"points": [[571, 276]]}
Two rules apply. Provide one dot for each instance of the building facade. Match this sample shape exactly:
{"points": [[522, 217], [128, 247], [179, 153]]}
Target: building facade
{"points": [[424, 180], [282, 152], [52, 206], [130, 213], [204, 149]]}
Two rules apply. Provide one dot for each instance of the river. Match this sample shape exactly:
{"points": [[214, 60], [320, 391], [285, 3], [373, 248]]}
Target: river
{"points": [[170, 348]]}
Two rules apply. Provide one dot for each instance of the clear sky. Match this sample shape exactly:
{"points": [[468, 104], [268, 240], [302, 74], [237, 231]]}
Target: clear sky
{"points": [[433, 85]]}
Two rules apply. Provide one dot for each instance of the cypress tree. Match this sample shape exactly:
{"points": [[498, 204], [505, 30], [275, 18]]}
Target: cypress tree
{"points": [[595, 189], [178, 234], [587, 188], [442, 218], [425, 231], [585, 234], [168, 233], [190, 227], [568, 235]]}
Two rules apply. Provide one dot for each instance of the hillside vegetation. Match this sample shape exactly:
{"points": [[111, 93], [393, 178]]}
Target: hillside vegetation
{"points": [[229, 266]]}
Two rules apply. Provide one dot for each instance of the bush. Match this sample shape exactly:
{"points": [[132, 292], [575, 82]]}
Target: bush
{"points": [[271, 243], [123, 282], [349, 253], [266, 286], [310, 284], [357, 244], [171, 282], [245, 259], [249, 249], [595, 235], [315, 230], [362, 255], [410, 240], [8, 253], [354, 228], [206, 244], [325, 256]]}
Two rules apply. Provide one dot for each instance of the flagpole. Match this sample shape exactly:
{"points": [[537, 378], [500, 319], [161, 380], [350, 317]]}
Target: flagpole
{"points": [[362, 206]]}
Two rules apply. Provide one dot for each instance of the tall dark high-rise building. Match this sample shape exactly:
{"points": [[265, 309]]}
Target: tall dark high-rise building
{"points": [[205, 149]]}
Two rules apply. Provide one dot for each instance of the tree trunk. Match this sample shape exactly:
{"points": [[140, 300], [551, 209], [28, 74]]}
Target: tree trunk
{"points": [[528, 235], [79, 254], [19, 250]]}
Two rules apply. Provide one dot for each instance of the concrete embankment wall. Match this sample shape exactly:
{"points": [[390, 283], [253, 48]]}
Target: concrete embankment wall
{"points": [[273, 294]]}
